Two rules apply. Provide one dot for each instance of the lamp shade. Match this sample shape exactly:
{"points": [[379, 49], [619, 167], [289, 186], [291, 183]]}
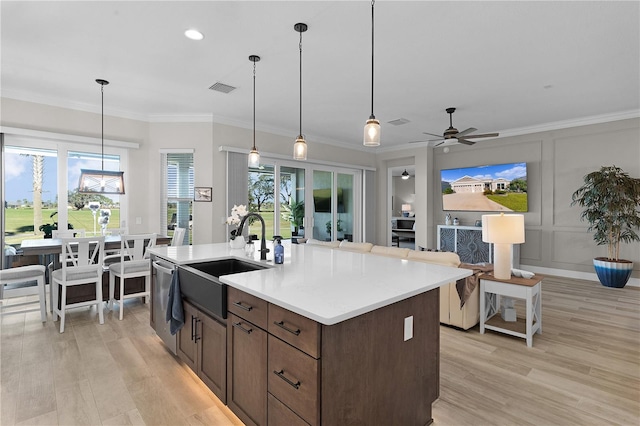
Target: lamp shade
{"points": [[372, 132], [406, 207], [502, 228]]}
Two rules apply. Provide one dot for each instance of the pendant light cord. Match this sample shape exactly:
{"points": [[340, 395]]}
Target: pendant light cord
{"points": [[300, 46], [254, 106], [372, 41], [102, 113]]}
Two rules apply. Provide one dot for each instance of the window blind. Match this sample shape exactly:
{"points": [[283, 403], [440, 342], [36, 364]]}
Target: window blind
{"points": [[177, 190]]}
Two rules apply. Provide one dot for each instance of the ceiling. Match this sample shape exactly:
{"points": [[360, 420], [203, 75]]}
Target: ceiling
{"points": [[511, 67]]}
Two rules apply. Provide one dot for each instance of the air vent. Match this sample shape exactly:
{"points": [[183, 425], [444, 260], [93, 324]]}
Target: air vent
{"points": [[221, 87], [398, 122]]}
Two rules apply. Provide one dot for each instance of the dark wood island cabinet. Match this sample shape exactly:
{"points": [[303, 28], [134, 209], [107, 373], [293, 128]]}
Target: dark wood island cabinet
{"points": [[359, 371]]}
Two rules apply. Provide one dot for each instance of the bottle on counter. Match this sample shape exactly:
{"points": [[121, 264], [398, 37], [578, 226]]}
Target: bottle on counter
{"points": [[278, 252]]}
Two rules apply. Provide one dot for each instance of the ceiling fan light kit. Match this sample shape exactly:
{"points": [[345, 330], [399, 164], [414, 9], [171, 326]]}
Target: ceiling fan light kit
{"points": [[254, 155], [300, 146], [101, 181], [372, 126]]}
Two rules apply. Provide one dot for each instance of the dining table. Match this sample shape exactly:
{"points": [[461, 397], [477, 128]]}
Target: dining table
{"points": [[48, 250]]}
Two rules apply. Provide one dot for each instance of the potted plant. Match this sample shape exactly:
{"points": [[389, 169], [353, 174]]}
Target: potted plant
{"points": [[296, 216], [611, 201], [48, 228]]}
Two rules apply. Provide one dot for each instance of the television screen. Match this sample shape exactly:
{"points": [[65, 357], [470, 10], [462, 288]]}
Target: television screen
{"points": [[322, 200], [496, 187]]}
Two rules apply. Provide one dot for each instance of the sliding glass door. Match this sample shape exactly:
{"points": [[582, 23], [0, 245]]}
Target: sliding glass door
{"points": [[334, 206], [281, 205]]}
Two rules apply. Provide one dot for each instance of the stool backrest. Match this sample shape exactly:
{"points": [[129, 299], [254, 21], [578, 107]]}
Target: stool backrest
{"points": [[134, 247], [68, 233], [178, 237], [81, 257]]}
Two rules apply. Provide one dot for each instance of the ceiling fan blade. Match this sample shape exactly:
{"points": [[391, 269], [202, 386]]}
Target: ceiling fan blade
{"points": [[465, 141], [418, 141], [438, 144], [485, 135], [431, 134], [466, 132]]}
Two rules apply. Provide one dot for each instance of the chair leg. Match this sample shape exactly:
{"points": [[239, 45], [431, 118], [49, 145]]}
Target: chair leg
{"points": [[99, 304], [112, 289], [63, 307], [121, 297], [43, 301], [53, 295]]}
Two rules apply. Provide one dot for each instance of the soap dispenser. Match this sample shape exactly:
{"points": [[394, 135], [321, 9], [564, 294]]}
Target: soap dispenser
{"points": [[278, 252]]}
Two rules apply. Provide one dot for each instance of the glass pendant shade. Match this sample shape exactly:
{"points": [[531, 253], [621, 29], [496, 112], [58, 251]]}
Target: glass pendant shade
{"points": [[101, 182], [300, 149], [254, 158], [372, 132]]}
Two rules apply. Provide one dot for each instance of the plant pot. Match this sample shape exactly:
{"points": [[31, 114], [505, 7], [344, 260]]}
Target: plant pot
{"points": [[237, 243], [612, 273]]}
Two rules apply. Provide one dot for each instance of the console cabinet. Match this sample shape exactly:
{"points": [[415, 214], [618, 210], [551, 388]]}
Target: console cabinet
{"points": [[467, 242], [202, 345]]}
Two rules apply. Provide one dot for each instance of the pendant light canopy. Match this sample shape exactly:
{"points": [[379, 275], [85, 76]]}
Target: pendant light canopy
{"points": [[254, 155], [300, 147], [372, 127], [405, 174], [101, 181]]}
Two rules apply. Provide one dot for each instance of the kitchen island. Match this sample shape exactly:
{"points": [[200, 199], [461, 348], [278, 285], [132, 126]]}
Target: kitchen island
{"points": [[329, 337]]}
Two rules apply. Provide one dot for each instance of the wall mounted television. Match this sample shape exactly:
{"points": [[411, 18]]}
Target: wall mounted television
{"points": [[495, 187], [322, 200]]}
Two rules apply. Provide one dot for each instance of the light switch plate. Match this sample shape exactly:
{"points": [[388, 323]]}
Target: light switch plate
{"points": [[408, 328]]}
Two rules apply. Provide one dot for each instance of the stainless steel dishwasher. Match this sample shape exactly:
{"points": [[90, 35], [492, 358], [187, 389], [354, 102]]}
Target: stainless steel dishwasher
{"points": [[163, 272]]}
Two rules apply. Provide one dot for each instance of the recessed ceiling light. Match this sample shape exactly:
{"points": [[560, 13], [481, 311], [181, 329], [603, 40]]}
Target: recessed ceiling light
{"points": [[194, 34]]}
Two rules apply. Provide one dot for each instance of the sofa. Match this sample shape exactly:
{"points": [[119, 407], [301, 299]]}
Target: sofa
{"points": [[450, 311]]}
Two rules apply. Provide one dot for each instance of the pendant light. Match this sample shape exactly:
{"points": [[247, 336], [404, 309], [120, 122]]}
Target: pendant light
{"points": [[372, 127], [405, 174], [101, 181], [300, 147], [254, 155]]}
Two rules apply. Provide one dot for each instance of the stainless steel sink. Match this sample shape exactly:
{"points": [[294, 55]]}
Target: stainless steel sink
{"points": [[200, 284]]}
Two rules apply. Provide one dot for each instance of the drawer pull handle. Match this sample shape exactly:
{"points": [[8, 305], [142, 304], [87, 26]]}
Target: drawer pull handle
{"points": [[290, 330], [239, 325], [241, 306], [281, 375]]}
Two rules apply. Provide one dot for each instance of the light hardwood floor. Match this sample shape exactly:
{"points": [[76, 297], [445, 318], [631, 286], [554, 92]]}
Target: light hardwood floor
{"points": [[583, 370]]}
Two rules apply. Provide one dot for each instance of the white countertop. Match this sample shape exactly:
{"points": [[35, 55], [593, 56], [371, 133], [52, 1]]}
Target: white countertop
{"points": [[326, 285]]}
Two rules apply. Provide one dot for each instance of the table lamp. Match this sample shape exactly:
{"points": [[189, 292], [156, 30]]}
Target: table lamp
{"points": [[503, 231], [406, 208]]}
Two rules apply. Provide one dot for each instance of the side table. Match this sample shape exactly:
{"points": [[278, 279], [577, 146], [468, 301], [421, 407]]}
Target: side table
{"points": [[529, 289]]}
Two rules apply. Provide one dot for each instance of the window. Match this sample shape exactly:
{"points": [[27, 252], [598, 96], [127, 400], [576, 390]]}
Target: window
{"points": [[40, 176], [176, 209]]}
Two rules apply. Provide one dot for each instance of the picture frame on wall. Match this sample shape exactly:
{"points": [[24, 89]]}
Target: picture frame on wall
{"points": [[202, 193]]}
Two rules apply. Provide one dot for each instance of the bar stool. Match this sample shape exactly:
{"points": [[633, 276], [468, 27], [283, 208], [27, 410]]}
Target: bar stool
{"points": [[13, 277]]}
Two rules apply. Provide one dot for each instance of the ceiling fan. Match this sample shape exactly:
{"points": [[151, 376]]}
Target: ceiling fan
{"points": [[452, 133]]}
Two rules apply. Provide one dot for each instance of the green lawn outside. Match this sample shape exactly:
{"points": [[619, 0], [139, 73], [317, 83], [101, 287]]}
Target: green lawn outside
{"points": [[511, 200], [19, 222], [285, 226]]}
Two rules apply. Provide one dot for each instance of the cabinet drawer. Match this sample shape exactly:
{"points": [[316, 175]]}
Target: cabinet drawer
{"points": [[247, 307], [301, 332], [280, 415], [293, 379]]}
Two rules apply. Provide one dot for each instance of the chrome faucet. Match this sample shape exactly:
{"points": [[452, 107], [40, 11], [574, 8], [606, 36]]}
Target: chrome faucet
{"points": [[263, 243]]}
